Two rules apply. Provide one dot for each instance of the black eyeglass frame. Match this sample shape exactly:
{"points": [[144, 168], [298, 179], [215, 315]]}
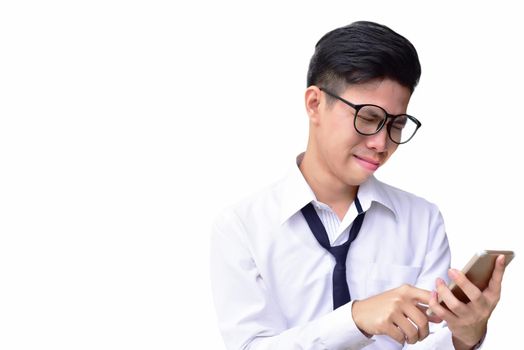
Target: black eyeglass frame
{"points": [[388, 116]]}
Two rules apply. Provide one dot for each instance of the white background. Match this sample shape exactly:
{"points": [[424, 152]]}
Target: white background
{"points": [[125, 126]]}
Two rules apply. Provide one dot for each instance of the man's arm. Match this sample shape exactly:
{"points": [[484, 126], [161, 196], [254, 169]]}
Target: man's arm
{"points": [[468, 322], [249, 316]]}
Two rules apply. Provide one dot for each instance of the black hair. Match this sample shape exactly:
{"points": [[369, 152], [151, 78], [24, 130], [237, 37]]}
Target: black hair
{"points": [[360, 52]]}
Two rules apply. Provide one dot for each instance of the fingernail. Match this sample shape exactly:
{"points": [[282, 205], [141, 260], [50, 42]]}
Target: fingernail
{"points": [[440, 281]]}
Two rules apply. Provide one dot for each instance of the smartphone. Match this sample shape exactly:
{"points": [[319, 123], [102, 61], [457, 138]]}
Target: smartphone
{"points": [[478, 270]]}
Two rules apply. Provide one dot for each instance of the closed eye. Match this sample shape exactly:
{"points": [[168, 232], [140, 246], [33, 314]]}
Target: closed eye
{"points": [[399, 122]]}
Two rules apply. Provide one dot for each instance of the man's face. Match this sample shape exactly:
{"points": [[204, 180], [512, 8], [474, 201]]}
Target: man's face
{"points": [[347, 155]]}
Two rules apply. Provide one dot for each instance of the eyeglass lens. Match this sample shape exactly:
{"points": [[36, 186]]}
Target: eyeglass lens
{"points": [[370, 119]]}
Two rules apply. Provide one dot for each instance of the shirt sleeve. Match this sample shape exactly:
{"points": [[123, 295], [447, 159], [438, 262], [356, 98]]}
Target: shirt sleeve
{"points": [[248, 315], [436, 264], [437, 258]]}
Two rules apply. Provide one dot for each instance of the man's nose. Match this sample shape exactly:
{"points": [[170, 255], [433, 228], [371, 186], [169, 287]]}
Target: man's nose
{"points": [[378, 141]]}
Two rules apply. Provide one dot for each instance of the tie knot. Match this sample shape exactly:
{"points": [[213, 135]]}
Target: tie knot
{"points": [[340, 252]]}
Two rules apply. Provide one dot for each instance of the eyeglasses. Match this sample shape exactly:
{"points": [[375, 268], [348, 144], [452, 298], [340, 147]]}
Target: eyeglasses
{"points": [[370, 119]]}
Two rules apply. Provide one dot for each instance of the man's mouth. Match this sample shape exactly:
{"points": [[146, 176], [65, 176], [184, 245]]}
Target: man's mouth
{"points": [[368, 163]]}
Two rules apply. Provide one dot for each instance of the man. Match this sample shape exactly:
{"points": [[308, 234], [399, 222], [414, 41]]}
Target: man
{"points": [[330, 257]]}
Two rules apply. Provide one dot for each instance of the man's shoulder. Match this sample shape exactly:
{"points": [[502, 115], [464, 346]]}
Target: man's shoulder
{"points": [[261, 204]]}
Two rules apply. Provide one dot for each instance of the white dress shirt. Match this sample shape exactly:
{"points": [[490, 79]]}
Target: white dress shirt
{"points": [[272, 281]]}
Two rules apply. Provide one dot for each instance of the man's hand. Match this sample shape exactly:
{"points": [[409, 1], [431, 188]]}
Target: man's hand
{"points": [[468, 322], [395, 313]]}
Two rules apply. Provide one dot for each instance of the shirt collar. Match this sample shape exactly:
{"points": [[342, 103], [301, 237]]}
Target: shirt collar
{"points": [[374, 191], [296, 193]]}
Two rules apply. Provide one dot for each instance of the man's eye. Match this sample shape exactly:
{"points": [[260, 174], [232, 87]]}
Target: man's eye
{"points": [[399, 123], [369, 118]]}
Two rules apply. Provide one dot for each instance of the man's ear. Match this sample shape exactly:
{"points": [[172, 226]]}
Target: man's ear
{"points": [[313, 98]]}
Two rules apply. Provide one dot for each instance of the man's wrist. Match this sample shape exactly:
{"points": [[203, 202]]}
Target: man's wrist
{"points": [[459, 345], [353, 316]]}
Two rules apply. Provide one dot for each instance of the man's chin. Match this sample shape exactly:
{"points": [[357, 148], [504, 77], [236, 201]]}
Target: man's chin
{"points": [[357, 180]]}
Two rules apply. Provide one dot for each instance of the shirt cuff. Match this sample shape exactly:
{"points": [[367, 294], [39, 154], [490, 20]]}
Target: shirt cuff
{"points": [[339, 331]]}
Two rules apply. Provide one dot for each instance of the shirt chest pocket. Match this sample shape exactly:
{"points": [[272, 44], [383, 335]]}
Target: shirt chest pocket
{"points": [[383, 277]]}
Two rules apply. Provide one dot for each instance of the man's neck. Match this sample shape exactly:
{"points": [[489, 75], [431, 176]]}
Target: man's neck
{"points": [[327, 187]]}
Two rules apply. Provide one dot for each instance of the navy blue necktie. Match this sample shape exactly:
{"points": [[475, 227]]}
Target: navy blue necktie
{"points": [[341, 294]]}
